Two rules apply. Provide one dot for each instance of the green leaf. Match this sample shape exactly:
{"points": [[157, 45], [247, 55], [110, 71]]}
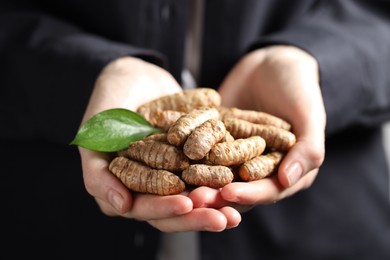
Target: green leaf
{"points": [[112, 130]]}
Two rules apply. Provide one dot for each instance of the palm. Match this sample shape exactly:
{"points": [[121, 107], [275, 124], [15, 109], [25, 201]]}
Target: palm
{"points": [[282, 81]]}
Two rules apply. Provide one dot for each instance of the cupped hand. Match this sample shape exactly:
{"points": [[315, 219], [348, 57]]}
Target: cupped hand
{"points": [[127, 83], [283, 81]]}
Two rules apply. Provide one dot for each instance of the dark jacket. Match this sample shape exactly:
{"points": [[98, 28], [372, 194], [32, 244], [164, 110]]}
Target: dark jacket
{"points": [[52, 51]]}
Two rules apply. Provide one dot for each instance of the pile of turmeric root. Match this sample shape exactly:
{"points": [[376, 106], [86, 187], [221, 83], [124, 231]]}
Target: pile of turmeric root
{"points": [[201, 143]]}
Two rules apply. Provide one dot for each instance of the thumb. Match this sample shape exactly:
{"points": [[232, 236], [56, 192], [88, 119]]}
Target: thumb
{"points": [[301, 159], [306, 155]]}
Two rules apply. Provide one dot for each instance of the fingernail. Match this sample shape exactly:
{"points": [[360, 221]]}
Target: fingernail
{"points": [[115, 199], [294, 173]]}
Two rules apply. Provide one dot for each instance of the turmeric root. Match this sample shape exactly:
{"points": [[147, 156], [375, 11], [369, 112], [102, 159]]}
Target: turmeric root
{"points": [[252, 116], [184, 101], [161, 137], [164, 119], [228, 137], [141, 178], [201, 144], [236, 152], [275, 138], [158, 155], [214, 176], [183, 127], [202, 138], [260, 166]]}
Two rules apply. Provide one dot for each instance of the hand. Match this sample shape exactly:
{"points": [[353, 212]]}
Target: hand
{"points": [[129, 82], [283, 81]]}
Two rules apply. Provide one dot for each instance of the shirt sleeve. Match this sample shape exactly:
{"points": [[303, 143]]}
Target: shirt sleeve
{"points": [[48, 68], [351, 42]]}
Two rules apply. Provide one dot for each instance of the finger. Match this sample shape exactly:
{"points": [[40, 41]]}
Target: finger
{"points": [[116, 199], [103, 185], [232, 215], [309, 123], [309, 151], [205, 197], [302, 158], [265, 191], [199, 219], [150, 207]]}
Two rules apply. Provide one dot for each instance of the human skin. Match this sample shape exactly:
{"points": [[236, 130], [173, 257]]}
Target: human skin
{"points": [[281, 80], [129, 82]]}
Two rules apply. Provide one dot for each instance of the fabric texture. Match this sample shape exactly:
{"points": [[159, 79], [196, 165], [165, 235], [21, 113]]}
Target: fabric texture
{"points": [[52, 51]]}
